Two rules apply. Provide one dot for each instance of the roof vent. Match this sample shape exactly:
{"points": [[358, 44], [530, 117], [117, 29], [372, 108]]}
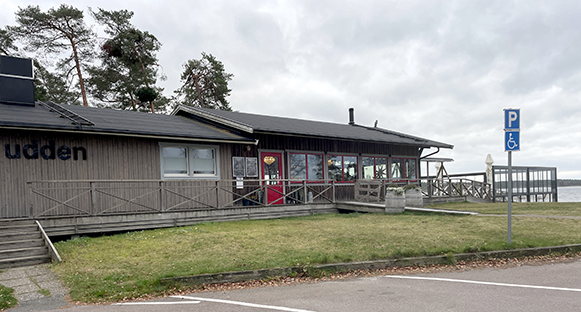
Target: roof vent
{"points": [[351, 116], [16, 81]]}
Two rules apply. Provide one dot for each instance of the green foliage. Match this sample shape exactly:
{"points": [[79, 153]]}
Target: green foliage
{"points": [[51, 87], [55, 32], [146, 94], [7, 42], [205, 84], [7, 299], [395, 190], [126, 77]]}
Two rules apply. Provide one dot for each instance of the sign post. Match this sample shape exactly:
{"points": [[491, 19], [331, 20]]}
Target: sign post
{"points": [[511, 143]]}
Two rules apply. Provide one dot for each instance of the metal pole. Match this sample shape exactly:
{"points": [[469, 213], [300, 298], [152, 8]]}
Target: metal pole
{"points": [[509, 197]]}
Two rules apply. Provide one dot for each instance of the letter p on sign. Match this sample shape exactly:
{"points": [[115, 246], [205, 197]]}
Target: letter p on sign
{"points": [[512, 119]]}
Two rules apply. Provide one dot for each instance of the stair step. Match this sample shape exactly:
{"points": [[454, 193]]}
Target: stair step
{"points": [[8, 237], [23, 252], [10, 223], [24, 261], [18, 228], [5, 245]]}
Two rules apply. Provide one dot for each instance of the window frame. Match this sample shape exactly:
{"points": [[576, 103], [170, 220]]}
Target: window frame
{"points": [[306, 159], [357, 165], [190, 162], [375, 157], [405, 161]]}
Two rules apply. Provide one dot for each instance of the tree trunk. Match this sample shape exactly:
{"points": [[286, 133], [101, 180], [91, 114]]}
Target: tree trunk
{"points": [[79, 74]]}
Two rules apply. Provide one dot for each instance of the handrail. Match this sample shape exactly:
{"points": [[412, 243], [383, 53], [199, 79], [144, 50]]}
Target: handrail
{"points": [[51, 250]]}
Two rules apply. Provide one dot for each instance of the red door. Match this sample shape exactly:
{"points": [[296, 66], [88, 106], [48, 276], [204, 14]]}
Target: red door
{"points": [[272, 174]]}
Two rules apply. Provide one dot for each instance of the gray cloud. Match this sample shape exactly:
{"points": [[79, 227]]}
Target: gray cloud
{"points": [[444, 70]]}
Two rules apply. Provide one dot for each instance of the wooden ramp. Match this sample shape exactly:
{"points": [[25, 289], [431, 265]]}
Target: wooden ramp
{"points": [[361, 207]]}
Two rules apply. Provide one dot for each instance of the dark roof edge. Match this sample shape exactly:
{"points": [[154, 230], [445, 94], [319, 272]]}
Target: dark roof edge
{"points": [[131, 134], [213, 117], [426, 142]]}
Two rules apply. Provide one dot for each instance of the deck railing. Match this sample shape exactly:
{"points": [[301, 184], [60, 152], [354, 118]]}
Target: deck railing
{"points": [[109, 197], [454, 187]]}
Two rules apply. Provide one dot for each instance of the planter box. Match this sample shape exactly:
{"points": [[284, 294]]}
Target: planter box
{"points": [[414, 198], [394, 202]]}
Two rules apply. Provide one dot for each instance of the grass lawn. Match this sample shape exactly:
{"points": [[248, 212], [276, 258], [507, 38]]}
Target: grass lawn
{"points": [[130, 265], [7, 299], [547, 209]]}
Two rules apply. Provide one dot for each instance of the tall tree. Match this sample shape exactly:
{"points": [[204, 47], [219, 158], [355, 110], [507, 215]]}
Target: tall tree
{"points": [[57, 31], [205, 84], [51, 87], [126, 77], [7, 42]]}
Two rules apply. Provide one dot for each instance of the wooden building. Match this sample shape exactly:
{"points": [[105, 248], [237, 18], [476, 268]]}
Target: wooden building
{"points": [[75, 167]]}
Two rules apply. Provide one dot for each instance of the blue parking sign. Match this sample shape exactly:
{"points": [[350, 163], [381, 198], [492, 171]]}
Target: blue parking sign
{"points": [[511, 141], [512, 119]]}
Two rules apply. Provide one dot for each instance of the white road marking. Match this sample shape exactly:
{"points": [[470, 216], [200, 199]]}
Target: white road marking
{"points": [[156, 303], [242, 304], [481, 283]]}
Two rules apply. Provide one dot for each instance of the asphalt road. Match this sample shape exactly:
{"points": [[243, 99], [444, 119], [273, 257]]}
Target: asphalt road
{"points": [[548, 287]]}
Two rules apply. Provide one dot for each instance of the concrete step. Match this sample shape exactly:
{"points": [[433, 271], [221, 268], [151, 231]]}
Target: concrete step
{"points": [[7, 245], [24, 261], [23, 252]]}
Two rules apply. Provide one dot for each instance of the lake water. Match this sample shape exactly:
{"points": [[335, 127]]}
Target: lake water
{"points": [[569, 194]]}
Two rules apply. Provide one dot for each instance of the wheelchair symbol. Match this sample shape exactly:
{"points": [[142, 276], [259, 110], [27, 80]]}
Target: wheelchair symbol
{"points": [[511, 143]]}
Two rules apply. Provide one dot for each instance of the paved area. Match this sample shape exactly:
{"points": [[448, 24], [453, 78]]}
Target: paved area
{"points": [[37, 288], [547, 287]]}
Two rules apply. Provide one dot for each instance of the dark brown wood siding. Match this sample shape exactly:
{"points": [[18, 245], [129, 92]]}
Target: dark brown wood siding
{"points": [[286, 143]]}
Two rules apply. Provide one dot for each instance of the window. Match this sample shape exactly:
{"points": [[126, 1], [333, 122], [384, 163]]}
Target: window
{"points": [[403, 169], [306, 166], [374, 167], [189, 161], [175, 160], [342, 168]]}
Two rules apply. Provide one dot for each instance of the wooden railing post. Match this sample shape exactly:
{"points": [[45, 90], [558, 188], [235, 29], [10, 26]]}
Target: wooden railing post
{"points": [[30, 199], [305, 197], [161, 196], [93, 198], [265, 193], [217, 193], [334, 191]]}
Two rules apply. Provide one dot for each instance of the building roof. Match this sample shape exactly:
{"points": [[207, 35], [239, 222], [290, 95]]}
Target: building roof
{"points": [[50, 116], [254, 123]]}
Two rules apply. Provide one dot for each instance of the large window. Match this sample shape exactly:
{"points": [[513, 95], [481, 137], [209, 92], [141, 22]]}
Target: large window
{"points": [[374, 167], [342, 168], [306, 166], [189, 161], [403, 169]]}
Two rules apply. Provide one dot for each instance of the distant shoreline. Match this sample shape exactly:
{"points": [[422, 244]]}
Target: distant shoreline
{"points": [[568, 182]]}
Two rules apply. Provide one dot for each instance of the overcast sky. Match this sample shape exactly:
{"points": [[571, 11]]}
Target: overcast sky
{"points": [[443, 70]]}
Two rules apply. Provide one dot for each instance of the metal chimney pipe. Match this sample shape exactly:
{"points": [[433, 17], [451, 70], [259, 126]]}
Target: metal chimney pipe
{"points": [[351, 116]]}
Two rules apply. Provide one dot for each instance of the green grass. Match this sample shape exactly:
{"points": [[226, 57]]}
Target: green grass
{"points": [[130, 265], [7, 299], [547, 209]]}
